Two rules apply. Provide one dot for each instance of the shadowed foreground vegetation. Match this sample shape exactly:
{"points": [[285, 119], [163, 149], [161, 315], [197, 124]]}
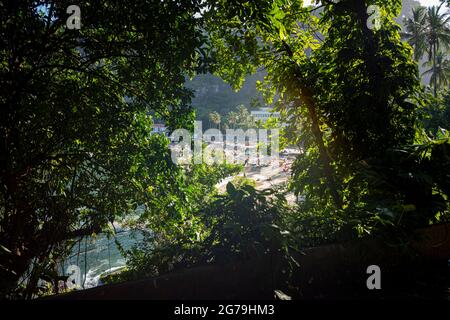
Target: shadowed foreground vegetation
{"points": [[77, 157]]}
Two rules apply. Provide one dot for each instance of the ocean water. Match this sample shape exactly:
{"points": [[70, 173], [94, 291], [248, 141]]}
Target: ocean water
{"points": [[93, 257]]}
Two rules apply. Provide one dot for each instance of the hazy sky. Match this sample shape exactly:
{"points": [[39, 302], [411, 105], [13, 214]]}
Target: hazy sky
{"points": [[430, 2], [423, 2]]}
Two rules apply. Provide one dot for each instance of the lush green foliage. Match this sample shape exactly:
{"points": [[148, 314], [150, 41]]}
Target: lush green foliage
{"points": [[242, 224], [240, 118], [352, 103], [240, 181], [76, 110], [437, 114], [212, 94], [349, 94], [439, 70]]}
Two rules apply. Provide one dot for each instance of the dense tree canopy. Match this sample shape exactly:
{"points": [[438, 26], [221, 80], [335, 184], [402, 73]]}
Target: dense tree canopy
{"points": [[76, 113], [77, 108], [351, 95]]}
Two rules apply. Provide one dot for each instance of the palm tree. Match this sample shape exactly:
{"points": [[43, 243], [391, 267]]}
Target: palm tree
{"points": [[415, 27], [215, 118], [428, 31], [243, 117], [439, 70], [438, 36], [232, 119], [437, 28]]}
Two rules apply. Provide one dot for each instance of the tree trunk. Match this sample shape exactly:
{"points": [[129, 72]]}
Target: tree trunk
{"points": [[307, 99], [306, 96], [434, 70]]}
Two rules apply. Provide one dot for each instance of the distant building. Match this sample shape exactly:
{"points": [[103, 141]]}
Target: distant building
{"points": [[159, 128], [264, 114]]}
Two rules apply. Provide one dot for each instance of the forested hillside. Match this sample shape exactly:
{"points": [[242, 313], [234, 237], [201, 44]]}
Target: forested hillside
{"points": [[213, 94]]}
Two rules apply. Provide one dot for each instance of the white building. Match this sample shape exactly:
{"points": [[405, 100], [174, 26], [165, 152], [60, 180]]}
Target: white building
{"points": [[159, 128], [264, 114]]}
